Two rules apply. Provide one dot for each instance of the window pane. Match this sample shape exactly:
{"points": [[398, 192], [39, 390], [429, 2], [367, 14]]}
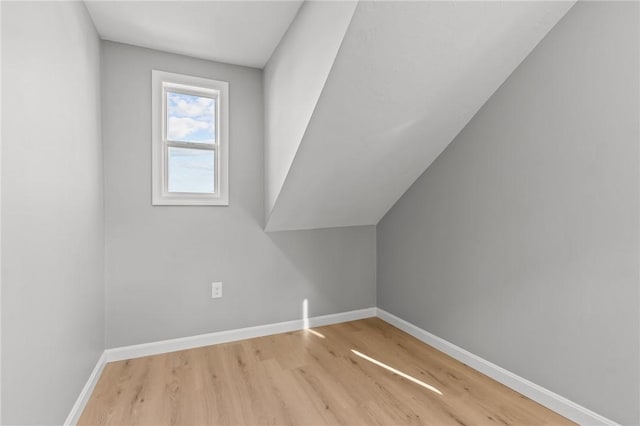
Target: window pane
{"points": [[191, 170], [190, 118]]}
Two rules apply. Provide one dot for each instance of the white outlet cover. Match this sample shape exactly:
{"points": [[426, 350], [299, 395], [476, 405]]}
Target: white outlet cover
{"points": [[216, 290]]}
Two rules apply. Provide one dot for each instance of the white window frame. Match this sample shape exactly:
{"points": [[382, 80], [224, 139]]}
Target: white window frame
{"points": [[219, 90]]}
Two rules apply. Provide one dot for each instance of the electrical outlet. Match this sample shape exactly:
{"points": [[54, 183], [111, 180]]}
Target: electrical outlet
{"points": [[216, 290]]}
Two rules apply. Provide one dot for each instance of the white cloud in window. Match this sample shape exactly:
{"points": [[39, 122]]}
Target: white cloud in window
{"points": [[181, 127], [193, 107], [190, 118]]}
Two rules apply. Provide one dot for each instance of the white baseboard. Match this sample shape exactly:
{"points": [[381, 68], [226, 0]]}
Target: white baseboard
{"points": [[545, 397], [83, 398], [164, 346]]}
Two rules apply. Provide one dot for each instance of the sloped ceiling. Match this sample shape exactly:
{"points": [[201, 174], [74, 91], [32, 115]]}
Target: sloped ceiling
{"points": [[407, 78], [236, 32], [293, 81]]}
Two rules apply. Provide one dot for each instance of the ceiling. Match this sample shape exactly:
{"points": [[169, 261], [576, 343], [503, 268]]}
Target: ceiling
{"points": [[408, 77], [234, 32]]}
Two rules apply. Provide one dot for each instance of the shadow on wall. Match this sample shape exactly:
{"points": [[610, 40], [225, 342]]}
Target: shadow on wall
{"points": [[312, 260], [338, 266]]}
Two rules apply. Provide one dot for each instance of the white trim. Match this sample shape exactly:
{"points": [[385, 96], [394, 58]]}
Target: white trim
{"points": [[165, 346], [0, 217], [83, 398], [218, 90], [545, 397]]}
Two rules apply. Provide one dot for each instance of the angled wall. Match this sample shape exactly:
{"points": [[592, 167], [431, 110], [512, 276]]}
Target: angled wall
{"points": [[52, 209], [520, 242], [293, 81], [408, 77]]}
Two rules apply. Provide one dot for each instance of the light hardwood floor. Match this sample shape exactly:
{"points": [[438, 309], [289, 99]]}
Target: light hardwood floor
{"points": [[363, 372]]}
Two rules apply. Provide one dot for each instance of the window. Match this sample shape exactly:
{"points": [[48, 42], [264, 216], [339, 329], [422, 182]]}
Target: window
{"points": [[189, 140]]}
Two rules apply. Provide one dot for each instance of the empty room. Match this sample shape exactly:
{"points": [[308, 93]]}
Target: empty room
{"points": [[319, 212]]}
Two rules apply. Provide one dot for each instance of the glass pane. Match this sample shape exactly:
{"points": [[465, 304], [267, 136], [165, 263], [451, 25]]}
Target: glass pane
{"points": [[191, 170], [191, 118]]}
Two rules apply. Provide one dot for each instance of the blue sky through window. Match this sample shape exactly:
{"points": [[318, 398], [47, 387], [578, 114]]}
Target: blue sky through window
{"points": [[191, 170], [190, 118]]}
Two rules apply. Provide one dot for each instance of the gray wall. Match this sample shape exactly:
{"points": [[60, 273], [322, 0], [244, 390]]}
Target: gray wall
{"points": [[520, 242], [52, 210], [161, 260]]}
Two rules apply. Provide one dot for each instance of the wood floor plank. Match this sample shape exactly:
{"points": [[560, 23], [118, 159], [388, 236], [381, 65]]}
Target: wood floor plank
{"points": [[363, 372]]}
